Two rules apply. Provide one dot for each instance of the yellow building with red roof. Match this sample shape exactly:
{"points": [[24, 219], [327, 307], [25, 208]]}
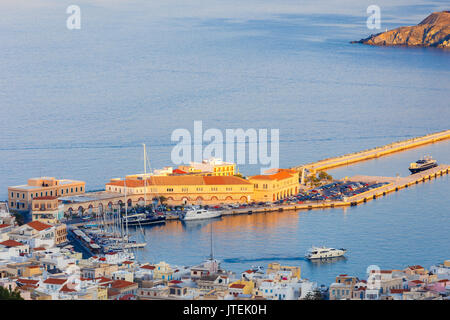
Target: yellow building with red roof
{"points": [[187, 189], [278, 185]]}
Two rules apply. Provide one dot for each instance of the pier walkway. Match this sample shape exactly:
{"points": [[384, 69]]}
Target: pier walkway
{"points": [[395, 184], [373, 153]]}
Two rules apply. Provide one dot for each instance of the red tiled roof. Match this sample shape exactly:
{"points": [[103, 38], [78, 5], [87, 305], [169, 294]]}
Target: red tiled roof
{"points": [[4, 225], [103, 279], [148, 267], [182, 180], [415, 267], [39, 226], [117, 284], [127, 262], [237, 285], [55, 281], [28, 281], [249, 271], [277, 176], [127, 297], [11, 243], [444, 280], [417, 281], [65, 288], [39, 249], [175, 281], [179, 171]]}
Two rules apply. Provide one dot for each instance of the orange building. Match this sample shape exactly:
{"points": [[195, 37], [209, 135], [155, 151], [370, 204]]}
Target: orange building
{"points": [[187, 189], [276, 186], [20, 197]]}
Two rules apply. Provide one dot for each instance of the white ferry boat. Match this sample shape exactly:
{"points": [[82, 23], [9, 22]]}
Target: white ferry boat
{"points": [[324, 253], [198, 214]]}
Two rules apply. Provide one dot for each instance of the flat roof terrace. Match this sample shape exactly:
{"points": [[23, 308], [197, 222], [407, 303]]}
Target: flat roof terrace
{"points": [[91, 196]]}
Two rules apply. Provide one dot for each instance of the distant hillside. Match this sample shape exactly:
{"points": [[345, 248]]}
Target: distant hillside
{"points": [[433, 31]]}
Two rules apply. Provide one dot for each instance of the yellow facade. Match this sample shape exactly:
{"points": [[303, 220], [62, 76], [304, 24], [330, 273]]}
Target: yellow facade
{"points": [[212, 167], [46, 209], [248, 286], [188, 189], [162, 271], [276, 186], [276, 267], [31, 271]]}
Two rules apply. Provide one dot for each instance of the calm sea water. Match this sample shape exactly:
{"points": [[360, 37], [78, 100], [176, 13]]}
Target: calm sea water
{"points": [[78, 104]]}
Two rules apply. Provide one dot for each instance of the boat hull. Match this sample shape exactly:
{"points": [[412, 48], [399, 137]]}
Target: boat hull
{"points": [[202, 217], [327, 255], [426, 167], [145, 222]]}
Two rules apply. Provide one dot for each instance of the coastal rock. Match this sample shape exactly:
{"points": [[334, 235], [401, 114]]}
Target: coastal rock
{"points": [[433, 31]]}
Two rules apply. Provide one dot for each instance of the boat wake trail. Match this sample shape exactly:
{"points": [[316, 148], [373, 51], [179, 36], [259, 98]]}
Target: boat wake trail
{"points": [[273, 258]]}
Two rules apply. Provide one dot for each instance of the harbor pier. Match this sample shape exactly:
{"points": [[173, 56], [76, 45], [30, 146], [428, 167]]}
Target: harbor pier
{"points": [[393, 184], [373, 153]]}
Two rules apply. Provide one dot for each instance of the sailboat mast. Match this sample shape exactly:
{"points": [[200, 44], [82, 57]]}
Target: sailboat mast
{"points": [[145, 176], [211, 239], [126, 209]]}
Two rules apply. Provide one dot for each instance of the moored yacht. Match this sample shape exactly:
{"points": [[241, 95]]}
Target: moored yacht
{"points": [[198, 214], [423, 164], [324, 253]]}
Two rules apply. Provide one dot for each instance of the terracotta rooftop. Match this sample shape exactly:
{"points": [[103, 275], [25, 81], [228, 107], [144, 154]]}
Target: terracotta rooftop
{"points": [[11, 243], [148, 267], [276, 176], [237, 286], [28, 281], [415, 267], [181, 180], [65, 288], [55, 281], [39, 226], [4, 225], [175, 281], [118, 284], [103, 279]]}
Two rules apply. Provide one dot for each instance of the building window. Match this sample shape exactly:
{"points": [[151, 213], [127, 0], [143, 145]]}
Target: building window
{"points": [[12, 194], [81, 189], [169, 189]]}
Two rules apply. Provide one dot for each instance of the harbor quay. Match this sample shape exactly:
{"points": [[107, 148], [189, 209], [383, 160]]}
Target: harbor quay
{"points": [[77, 245], [38, 268], [215, 184], [374, 153]]}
